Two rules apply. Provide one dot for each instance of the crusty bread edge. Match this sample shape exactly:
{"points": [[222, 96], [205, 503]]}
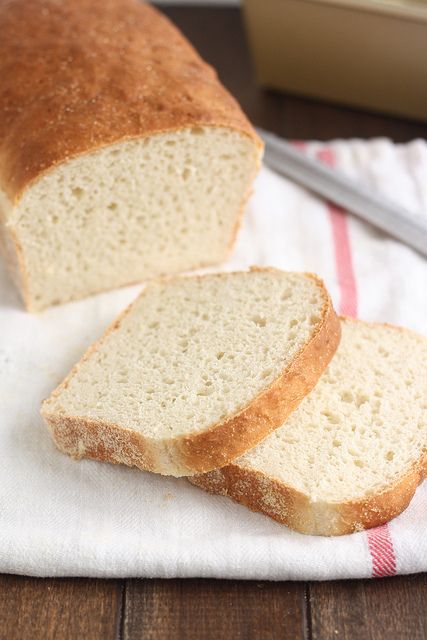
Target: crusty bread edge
{"points": [[263, 493], [13, 256], [230, 439], [221, 443], [285, 504]]}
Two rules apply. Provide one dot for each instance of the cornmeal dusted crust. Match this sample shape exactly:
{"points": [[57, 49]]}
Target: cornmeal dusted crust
{"points": [[267, 495]]}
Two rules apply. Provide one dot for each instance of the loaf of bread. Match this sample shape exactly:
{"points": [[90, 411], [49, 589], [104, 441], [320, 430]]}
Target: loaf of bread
{"points": [[196, 371], [122, 157], [352, 454]]}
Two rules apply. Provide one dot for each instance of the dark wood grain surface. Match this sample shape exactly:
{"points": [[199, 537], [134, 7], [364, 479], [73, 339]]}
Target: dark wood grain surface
{"points": [[370, 610], [212, 609], [89, 609], [62, 608]]}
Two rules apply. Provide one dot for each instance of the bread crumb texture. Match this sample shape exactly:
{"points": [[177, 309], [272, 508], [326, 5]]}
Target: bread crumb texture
{"points": [[193, 351], [353, 452], [163, 204], [364, 423]]}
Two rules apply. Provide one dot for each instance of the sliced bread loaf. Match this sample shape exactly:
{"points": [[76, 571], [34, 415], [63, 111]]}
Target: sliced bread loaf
{"points": [[352, 454], [196, 371], [122, 157]]}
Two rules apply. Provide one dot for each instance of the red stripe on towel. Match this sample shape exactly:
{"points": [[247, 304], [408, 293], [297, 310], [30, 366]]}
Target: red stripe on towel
{"points": [[380, 542], [342, 248], [382, 552]]}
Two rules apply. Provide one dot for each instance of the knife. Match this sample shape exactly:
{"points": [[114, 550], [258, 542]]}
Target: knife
{"points": [[284, 158]]}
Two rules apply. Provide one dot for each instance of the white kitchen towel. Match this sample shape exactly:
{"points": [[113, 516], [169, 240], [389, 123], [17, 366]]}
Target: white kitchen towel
{"points": [[61, 517]]}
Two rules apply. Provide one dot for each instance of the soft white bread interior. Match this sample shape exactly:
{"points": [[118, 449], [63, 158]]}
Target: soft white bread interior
{"points": [[130, 211], [196, 371], [352, 454]]}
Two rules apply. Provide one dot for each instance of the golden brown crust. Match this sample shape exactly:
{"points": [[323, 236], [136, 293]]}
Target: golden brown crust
{"points": [[257, 492], [78, 75], [230, 439], [265, 494], [225, 441], [80, 437], [384, 505]]}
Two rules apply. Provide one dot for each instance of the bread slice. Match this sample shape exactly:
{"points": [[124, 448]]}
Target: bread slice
{"points": [[352, 454], [122, 157], [196, 371]]}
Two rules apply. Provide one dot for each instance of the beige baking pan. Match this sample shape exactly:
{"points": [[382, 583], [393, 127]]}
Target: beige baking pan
{"points": [[368, 53]]}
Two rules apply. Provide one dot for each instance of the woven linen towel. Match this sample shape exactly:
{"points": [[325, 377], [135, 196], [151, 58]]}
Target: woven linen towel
{"points": [[59, 517]]}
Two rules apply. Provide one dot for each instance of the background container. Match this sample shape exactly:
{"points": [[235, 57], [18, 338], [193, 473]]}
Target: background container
{"points": [[368, 53]]}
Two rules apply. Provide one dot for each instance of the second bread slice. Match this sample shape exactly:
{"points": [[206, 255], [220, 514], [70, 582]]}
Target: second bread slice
{"points": [[196, 371], [352, 454]]}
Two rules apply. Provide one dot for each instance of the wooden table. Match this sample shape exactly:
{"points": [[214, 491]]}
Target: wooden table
{"points": [[393, 608]]}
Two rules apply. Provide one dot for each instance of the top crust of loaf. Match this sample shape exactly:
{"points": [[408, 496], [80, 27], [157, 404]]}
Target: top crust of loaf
{"points": [[78, 75]]}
